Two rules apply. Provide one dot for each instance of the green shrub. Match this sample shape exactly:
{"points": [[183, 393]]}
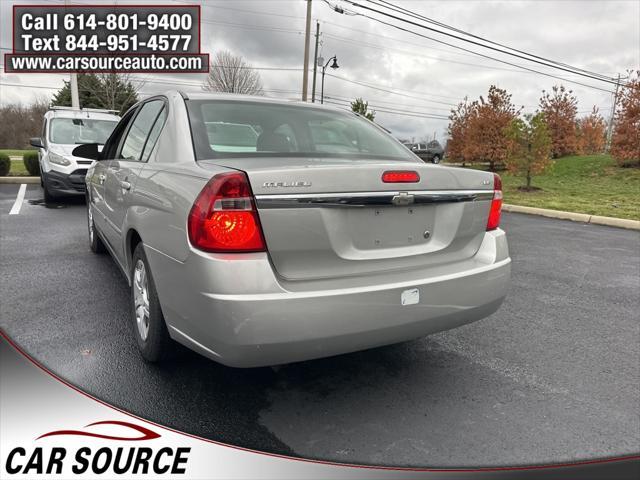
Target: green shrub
{"points": [[5, 164], [31, 163]]}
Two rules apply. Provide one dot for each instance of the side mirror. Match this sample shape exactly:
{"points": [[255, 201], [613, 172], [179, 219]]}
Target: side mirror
{"points": [[88, 150], [36, 142]]}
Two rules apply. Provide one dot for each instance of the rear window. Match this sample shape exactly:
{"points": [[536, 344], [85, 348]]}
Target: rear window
{"points": [[222, 129]]}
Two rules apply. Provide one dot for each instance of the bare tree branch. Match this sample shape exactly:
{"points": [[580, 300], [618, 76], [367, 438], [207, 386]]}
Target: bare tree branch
{"points": [[232, 74]]}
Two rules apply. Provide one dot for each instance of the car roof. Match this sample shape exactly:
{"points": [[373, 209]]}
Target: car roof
{"points": [[81, 114], [253, 99]]}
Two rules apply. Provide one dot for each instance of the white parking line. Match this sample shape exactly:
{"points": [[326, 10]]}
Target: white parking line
{"points": [[15, 210]]}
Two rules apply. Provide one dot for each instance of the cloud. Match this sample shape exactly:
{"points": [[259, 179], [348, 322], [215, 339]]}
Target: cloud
{"points": [[602, 36]]}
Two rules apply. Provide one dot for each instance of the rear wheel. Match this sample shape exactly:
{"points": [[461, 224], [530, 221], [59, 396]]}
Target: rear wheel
{"points": [[95, 243], [149, 326], [436, 159]]}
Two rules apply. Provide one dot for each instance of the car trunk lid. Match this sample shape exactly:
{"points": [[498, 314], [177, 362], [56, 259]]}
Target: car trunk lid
{"points": [[329, 218]]}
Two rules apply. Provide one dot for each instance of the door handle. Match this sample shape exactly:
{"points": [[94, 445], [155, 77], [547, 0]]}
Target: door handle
{"points": [[102, 178], [125, 185]]}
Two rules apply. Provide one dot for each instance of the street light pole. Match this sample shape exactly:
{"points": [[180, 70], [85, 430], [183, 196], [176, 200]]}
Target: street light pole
{"points": [[305, 72], [334, 65]]}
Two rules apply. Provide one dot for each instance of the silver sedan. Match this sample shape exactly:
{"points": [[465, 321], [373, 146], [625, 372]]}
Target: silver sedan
{"points": [[262, 232]]}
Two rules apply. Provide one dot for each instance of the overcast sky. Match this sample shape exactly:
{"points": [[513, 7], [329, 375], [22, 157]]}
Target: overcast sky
{"points": [[425, 77]]}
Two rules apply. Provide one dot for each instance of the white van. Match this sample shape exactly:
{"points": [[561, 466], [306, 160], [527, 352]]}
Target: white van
{"points": [[63, 129]]}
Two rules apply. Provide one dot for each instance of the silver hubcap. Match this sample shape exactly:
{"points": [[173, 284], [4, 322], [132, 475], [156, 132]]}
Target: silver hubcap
{"points": [[90, 218], [141, 299]]}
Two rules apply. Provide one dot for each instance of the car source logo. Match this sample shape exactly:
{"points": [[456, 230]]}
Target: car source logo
{"points": [[122, 456]]}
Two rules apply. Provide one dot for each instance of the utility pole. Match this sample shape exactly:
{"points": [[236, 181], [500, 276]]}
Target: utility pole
{"points": [[75, 97], [315, 63], [305, 72], [73, 84], [613, 113]]}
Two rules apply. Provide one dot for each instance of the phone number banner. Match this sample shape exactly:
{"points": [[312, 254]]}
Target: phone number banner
{"points": [[106, 38]]}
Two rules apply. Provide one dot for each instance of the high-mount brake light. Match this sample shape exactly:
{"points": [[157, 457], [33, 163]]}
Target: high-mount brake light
{"points": [[496, 204], [400, 176], [224, 218]]}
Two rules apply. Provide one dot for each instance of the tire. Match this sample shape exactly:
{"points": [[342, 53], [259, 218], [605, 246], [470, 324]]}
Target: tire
{"points": [[95, 243], [49, 198], [436, 159], [152, 335]]}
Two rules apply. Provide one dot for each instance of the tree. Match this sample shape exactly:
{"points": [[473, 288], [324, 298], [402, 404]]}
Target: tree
{"points": [[232, 74], [117, 91], [485, 139], [560, 108], [88, 84], [362, 107], [457, 129], [529, 146], [20, 123], [591, 133], [625, 144], [111, 91]]}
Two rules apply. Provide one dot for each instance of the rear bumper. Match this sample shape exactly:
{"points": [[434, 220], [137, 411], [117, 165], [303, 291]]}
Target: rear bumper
{"points": [[266, 324]]}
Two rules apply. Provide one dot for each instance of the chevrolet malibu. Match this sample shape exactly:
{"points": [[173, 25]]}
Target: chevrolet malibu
{"points": [[261, 232]]}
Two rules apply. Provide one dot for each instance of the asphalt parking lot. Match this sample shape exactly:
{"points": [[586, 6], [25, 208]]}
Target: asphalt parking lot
{"points": [[554, 375]]}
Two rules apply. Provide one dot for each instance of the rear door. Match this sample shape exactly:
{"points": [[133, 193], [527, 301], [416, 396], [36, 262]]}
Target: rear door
{"points": [[123, 171], [96, 182]]}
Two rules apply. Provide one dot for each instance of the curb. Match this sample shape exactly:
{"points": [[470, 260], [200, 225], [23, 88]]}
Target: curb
{"points": [[19, 179], [576, 217]]}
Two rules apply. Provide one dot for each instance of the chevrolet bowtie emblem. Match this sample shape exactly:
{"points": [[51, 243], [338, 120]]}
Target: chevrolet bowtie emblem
{"points": [[403, 198]]}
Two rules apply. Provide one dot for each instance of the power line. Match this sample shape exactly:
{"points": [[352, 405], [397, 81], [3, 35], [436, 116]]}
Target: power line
{"points": [[398, 27], [248, 26], [343, 103], [254, 12], [373, 87], [389, 112], [57, 88], [396, 104], [419, 45], [438, 59], [444, 25], [545, 62], [29, 86], [378, 108]]}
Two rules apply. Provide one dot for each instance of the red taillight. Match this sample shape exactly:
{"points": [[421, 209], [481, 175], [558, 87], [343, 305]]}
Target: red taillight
{"points": [[496, 204], [400, 176], [224, 217]]}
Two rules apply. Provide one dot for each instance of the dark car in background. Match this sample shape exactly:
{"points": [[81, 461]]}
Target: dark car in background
{"points": [[429, 152]]}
